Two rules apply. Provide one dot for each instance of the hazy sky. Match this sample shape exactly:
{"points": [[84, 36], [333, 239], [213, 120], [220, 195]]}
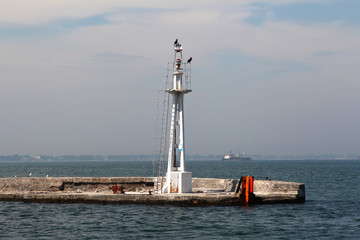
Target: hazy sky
{"points": [[81, 77]]}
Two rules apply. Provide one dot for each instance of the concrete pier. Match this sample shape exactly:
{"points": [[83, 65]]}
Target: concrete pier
{"points": [[140, 190]]}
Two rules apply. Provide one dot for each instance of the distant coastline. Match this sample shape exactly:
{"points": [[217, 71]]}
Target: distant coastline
{"points": [[150, 157]]}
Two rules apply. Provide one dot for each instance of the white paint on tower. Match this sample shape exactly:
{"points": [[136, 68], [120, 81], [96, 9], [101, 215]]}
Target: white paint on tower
{"points": [[177, 179]]}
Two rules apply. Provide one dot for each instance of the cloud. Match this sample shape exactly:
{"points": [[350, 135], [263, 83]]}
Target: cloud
{"points": [[327, 53], [89, 71], [23, 12], [116, 58]]}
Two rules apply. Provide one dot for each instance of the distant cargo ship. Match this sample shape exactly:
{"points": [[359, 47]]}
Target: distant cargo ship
{"points": [[236, 157]]}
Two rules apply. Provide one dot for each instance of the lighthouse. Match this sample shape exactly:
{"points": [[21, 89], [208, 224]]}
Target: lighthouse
{"points": [[178, 180]]}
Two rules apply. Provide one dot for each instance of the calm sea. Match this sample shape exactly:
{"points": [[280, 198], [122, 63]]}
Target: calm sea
{"points": [[332, 209]]}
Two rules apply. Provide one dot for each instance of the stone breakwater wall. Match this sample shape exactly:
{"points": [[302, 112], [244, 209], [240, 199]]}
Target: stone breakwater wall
{"points": [[279, 192], [75, 184], [139, 190]]}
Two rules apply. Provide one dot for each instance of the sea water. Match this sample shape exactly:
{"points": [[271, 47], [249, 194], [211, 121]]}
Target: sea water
{"points": [[331, 211]]}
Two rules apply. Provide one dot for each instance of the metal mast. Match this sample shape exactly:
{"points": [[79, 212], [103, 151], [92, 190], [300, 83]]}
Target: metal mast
{"points": [[177, 179]]}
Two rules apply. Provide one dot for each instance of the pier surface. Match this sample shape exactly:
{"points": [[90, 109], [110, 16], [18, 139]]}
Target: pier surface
{"points": [[140, 190]]}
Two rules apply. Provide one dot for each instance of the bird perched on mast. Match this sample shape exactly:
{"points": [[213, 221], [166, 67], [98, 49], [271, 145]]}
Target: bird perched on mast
{"points": [[189, 60]]}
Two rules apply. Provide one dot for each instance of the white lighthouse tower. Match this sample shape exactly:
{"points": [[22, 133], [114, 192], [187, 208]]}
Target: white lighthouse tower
{"points": [[177, 179]]}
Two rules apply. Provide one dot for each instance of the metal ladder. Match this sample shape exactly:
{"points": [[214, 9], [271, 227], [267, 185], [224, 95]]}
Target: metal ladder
{"points": [[159, 166]]}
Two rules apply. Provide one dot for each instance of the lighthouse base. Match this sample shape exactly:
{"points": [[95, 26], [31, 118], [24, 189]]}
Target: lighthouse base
{"points": [[179, 182]]}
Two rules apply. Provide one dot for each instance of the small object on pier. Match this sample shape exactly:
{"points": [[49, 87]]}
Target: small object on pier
{"points": [[118, 189], [114, 189], [30, 174]]}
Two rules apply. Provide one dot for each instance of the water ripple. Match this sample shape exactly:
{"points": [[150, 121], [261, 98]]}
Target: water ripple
{"points": [[330, 212]]}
